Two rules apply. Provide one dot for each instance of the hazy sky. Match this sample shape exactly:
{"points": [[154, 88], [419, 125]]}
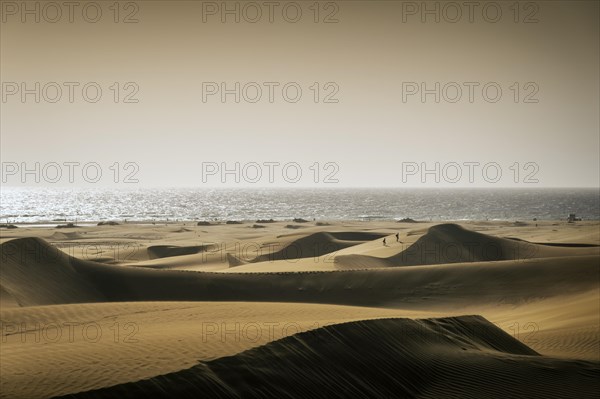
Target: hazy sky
{"points": [[374, 61]]}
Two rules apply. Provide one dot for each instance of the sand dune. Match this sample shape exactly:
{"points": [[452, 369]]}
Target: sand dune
{"points": [[465, 357], [214, 255], [60, 236], [451, 243], [123, 342], [34, 276], [317, 244], [37, 273], [145, 339], [543, 293]]}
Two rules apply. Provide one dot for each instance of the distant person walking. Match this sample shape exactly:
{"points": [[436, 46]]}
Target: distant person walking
{"points": [[384, 242], [397, 237]]}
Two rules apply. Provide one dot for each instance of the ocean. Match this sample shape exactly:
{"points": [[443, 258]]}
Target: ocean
{"points": [[50, 205]]}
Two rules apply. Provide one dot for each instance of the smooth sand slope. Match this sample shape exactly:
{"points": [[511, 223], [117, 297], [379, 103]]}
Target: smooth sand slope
{"points": [[538, 284]]}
